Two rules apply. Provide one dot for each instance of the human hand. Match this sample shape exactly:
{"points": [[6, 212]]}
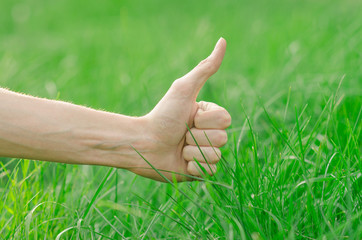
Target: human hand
{"points": [[57, 131], [171, 147]]}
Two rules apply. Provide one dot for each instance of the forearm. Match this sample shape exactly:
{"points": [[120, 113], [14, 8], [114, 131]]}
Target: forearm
{"points": [[42, 129]]}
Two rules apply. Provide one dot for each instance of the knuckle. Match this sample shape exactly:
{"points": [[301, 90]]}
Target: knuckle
{"points": [[218, 153], [215, 156], [222, 137], [181, 87], [204, 62], [210, 169], [225, 119], [202, 106], [191, 169], [177, 83], [201, 103], [208, 66], [214, 169]]}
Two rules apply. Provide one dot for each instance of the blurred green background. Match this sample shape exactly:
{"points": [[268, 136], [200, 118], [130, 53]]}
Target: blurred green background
{"points": [[122, 56]]}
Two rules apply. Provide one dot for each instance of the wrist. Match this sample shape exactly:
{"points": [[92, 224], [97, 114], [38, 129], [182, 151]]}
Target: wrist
{"points": [[114, 142]]}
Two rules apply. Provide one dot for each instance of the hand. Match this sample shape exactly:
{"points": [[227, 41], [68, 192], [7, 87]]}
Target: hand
{"points": [[172, 148]]}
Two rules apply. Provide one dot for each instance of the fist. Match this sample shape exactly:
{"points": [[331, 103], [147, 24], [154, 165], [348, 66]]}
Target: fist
{"points": [[205, 138]]}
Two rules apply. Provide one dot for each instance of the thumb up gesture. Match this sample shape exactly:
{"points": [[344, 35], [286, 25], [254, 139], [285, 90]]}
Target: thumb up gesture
{"points": [[172, 148]]}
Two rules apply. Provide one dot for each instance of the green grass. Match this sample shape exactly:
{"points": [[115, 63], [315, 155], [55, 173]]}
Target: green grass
{"points": [[291, 79]]}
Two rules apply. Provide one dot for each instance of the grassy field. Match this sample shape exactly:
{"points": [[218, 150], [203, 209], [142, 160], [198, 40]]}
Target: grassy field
{"points": [[291, 79]]}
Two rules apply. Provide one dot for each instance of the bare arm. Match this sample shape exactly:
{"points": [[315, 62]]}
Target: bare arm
{"points": [[42, 129], [57, 131]]}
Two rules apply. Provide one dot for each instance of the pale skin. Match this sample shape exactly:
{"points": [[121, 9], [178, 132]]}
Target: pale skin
{"points": [[41, 129]]}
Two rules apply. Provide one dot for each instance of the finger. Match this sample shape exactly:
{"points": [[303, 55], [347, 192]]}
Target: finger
{"points": [[218, 138], [211, 116], [211, 154], [193, 168], [192, 82]]}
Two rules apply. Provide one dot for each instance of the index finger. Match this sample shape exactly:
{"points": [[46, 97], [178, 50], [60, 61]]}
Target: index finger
{"points": [[211, 116]]}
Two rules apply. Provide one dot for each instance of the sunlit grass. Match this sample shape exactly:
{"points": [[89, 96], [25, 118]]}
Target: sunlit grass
{"points": [[291, 80]]}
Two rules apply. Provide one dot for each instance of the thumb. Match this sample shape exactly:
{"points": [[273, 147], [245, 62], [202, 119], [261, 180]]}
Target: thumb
{"points": [[197, 77]]}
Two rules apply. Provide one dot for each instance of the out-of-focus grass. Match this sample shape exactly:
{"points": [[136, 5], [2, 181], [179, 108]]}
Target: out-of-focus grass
{"points": [[293, 171]]}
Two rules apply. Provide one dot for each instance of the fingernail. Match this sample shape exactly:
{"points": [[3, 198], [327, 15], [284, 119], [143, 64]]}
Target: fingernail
{"points": [[220, 39]]}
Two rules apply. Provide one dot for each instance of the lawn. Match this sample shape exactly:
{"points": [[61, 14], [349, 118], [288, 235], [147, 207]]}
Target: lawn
{"points": [[291, 80]]}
